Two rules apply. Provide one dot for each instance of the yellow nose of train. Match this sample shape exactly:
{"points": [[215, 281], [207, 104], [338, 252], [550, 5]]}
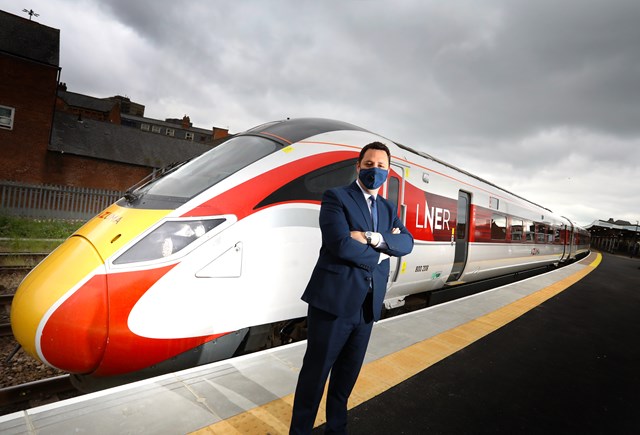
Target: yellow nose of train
{"points": [[60, 313], [50, 316]]}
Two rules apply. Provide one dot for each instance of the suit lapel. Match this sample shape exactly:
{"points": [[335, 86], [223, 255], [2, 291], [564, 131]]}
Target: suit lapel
{"points": [[358, 197], [383, 216]]}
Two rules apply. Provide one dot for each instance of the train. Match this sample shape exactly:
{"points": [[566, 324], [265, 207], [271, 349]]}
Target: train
{"points": [[209, 260]]}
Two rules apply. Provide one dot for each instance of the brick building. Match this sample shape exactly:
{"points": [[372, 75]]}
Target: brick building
{"points": [[29, 72], [49, 135]]}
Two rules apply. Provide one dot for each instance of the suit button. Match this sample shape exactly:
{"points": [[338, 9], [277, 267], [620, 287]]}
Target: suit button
{"points": [[368, 278]]}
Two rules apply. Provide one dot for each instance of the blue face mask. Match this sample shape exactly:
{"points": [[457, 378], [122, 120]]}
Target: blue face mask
{"points": [[372, 178]]}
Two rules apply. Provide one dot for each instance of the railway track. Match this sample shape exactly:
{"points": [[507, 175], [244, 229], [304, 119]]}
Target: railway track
{"points": [[5, 302], [12, 269], [13, 274], [12, 261], [24, 396]]}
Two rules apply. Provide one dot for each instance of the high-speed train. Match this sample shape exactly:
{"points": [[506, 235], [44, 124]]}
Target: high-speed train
{"points": [[210, 259]]}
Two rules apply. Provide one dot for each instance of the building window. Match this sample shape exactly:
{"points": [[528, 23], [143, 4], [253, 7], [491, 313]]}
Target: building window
{"points": [[155, 129], [188, 135], [6, 117], [144, 127], [170, 132]]}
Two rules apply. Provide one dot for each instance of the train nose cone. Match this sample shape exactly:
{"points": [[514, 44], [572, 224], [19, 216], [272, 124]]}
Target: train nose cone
{"points": [[60, 311]]}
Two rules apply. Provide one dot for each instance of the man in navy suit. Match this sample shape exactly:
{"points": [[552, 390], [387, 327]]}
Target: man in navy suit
{"points": [[360, 231]]}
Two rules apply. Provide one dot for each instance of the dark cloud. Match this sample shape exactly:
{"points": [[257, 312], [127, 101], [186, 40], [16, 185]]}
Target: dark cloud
{"points": [[532, 95]]}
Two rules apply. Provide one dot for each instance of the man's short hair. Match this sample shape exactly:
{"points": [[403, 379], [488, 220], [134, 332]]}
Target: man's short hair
{"points": [[374, 146]]}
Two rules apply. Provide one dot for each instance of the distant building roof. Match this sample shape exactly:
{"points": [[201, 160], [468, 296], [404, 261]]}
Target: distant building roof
{"points": [[103, 140], [621, 222], [164, 123], [127, 106], [616, 225], [85, 101], [29, 39]]}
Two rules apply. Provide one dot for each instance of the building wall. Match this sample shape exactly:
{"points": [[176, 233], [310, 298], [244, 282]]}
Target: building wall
{"points": [[29, 76], [179, 130], [73, 170], [30, 88], [219, 133]]}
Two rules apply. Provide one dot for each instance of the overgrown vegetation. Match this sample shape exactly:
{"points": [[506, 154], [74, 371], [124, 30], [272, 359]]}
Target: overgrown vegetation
{"points": [[34, 235]]}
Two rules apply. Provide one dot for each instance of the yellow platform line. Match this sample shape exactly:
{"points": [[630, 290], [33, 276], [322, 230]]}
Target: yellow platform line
{"points": [[378, 376]]}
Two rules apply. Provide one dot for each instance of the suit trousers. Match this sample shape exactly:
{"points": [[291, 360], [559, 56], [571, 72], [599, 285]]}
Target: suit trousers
{"points": [[337, 345]]}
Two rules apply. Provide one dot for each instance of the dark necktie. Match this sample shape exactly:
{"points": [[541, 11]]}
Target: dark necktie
{"points": [[374, 213]]}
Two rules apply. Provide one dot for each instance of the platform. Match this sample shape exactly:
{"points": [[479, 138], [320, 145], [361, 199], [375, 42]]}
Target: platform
{"points": [[253, 394]]}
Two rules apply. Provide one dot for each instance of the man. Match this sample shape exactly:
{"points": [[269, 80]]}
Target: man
{"points": [[360, 230]]}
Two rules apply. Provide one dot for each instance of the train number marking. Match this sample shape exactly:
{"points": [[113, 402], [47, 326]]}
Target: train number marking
{"points": [[422, 268], [107, 215]]}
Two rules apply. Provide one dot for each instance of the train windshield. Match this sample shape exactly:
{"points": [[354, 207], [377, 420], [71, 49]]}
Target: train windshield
{"points": [[208, 169]]}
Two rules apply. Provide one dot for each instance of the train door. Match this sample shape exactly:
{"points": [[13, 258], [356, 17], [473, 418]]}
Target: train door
{"points": [[394, 193], [568, 241], [565, 248], [462, 235], [572, 242]]}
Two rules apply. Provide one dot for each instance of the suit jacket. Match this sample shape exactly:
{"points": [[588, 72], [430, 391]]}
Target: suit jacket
{"points": [[346, 268]]}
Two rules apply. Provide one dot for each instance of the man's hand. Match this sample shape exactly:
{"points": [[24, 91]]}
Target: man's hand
{"points": [[375, 240]]}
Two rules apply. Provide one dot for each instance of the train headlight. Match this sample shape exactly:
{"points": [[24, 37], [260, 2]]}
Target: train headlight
{"points": [[167, 247], [169, 238]]}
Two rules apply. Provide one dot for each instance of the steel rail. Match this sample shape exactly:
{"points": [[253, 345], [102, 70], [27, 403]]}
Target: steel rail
{"points": [[6, 299], [5, 330], [21, 394]]}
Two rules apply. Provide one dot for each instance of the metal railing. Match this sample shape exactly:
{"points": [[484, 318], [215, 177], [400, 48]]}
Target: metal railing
{"points": [[54, 202]]}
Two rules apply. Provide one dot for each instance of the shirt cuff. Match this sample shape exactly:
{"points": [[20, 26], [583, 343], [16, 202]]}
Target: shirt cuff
{"points": [[380, 244]]}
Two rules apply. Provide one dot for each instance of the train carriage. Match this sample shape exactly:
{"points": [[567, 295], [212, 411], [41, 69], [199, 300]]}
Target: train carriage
{"points": [[211, 258]]}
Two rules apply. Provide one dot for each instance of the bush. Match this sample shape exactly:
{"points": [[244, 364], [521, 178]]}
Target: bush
{"points": [[24, 228]]}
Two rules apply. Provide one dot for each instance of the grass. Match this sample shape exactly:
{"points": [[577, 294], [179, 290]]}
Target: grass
{"points": [[34, 235]]}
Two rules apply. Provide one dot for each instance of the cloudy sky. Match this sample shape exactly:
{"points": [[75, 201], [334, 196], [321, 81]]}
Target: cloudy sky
{"points": [[540, 97]]}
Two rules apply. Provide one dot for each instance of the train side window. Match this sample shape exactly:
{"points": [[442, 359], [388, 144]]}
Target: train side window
{"points": [[529, 231], [516, 229], [556, 235], [498, 227], [311, 186], [393, 191], [563, 234], [541, 231], [462, 216], [335, 175]]}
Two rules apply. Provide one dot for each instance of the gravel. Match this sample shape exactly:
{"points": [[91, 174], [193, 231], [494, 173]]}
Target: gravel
{"points": [[22, 367]]}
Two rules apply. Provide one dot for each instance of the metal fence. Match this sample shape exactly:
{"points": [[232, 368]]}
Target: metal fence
{"points": [[54, 202]]}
